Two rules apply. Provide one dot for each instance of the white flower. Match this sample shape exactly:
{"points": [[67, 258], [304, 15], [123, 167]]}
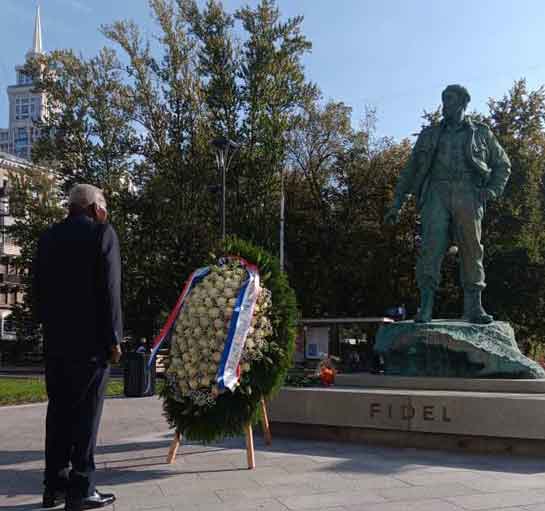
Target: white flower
{"points": [[199, 336], [213, 312]]}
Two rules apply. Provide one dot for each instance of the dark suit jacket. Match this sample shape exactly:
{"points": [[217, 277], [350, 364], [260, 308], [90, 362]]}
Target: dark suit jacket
{"points": [[77, 289]]}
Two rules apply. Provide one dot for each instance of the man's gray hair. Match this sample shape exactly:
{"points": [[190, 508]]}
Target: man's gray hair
{"points": [[85, 195]]}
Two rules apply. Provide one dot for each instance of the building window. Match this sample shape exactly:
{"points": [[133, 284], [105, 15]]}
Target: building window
{"points": [[35, 108], [27, 108], [22, 108], [22, 143], [23, 79], [21, 136]]}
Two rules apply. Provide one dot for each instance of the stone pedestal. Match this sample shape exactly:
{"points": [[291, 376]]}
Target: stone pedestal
{"points": [[444, 348], [478, 421]]}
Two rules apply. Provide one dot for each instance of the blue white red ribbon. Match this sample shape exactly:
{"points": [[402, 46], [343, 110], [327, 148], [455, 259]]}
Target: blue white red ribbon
{"points": [[241, 320], [190, 283]]}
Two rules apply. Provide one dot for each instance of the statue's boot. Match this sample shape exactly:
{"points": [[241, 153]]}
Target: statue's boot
{"points": [[473, 309], [426, 306]]}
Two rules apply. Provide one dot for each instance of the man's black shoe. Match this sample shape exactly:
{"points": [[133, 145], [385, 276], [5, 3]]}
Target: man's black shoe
{"points": [[95, 501], [53, 498], [98, 500]]}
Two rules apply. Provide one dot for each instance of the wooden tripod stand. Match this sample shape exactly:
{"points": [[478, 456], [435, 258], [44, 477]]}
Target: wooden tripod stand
{"points": [[250, 453]]}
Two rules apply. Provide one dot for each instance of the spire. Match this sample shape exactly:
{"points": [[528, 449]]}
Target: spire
{"points": [[37, 46]]}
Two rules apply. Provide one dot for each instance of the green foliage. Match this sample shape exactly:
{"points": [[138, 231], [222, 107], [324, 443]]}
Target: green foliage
{"points": [[35, 204], [233, 410], [516, 221], [513, 228], [302, 380]]}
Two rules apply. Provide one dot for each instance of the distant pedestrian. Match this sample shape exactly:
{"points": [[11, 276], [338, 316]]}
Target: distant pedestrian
{"points": [[354, 361], [77, 288]]}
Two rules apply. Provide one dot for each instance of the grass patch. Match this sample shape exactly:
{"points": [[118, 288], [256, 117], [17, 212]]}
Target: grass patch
{"points": [[18, 391], [15, 391]]}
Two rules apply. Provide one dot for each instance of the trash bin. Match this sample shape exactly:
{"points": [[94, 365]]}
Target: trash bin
{"points": [[138, 380]]}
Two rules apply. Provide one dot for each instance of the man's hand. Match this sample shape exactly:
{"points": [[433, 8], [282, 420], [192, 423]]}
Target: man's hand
{"points": [[115, 355], [392, 216], [486, 195]]}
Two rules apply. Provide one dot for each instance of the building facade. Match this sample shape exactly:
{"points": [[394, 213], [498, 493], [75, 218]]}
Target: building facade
{"points": [[11, 284], [25, 106]]}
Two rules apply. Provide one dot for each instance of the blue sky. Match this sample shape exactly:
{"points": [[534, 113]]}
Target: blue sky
{"points": [[396, 55]]}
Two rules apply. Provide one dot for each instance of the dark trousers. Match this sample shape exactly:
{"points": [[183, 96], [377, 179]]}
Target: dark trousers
{"points": [[76, 397]]}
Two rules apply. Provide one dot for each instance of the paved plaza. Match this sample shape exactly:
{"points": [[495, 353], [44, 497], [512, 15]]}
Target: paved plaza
{"points": [[290, 475]]}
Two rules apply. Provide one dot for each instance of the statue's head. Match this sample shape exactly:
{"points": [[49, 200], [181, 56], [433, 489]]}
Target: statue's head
{"points": [[455, 100]]}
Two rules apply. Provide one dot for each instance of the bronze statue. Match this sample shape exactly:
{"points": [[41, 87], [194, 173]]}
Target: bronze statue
{"points": [[455, 167]]}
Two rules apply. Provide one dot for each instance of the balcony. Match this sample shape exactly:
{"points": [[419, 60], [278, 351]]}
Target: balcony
{"points": [[11, 279]]}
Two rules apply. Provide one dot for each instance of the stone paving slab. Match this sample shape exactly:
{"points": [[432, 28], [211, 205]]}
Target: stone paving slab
{"points": [[291, 475]]}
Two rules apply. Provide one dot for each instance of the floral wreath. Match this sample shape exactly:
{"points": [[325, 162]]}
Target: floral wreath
{"points": [[232, 336]]}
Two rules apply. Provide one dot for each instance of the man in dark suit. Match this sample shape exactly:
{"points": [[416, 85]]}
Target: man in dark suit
{"points": [[77, 291]]}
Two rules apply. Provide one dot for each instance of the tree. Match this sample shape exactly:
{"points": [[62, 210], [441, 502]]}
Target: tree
{"points": [[515, 248], [272, 87], [173, 231], [35, 203]]}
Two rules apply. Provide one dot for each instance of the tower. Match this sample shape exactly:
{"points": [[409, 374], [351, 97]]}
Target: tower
{"points": [[25, 106]]}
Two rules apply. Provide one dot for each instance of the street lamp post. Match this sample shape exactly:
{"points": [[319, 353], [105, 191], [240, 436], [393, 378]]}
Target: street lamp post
{"points": [[225, 150]]}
